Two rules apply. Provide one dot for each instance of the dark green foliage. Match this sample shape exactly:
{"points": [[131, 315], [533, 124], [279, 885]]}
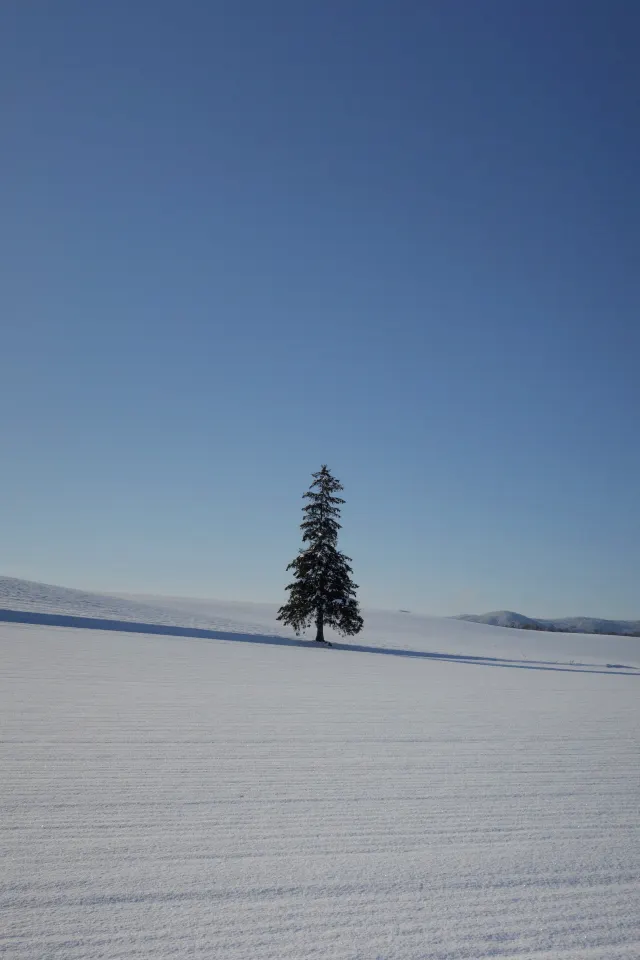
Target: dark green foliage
{"points": [[322, 591]]}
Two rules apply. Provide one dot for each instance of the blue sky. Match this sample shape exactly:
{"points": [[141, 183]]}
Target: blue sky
{"points": [[241, 239]]}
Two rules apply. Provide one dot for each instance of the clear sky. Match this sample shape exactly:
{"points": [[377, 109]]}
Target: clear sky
{"points": [[242, 238]]}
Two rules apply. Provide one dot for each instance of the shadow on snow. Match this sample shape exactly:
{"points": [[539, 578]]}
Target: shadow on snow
{"points": [[169, 630]]}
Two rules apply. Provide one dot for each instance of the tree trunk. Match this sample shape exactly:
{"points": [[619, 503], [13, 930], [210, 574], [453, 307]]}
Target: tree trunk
{"points": [[320, 627]]}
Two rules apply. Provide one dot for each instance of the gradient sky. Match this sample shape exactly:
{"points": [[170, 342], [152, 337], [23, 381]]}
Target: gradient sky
{"points": [[241, 239]]}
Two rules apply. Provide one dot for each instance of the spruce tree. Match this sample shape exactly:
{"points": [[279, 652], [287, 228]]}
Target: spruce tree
{"points": [[322, 591]]}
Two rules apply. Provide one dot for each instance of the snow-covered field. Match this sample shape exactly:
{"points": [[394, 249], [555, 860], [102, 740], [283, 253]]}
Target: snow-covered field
{"points": [[219, 798]]}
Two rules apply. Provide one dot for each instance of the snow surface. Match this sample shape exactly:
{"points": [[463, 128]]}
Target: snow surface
{"points": [[218, 798]]}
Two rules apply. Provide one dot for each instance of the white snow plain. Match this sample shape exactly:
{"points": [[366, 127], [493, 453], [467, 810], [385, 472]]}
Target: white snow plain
{"points": [[240, 798]]}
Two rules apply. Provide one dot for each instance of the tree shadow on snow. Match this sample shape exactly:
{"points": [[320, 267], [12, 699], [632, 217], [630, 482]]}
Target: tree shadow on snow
{"points": [[170, 630]]}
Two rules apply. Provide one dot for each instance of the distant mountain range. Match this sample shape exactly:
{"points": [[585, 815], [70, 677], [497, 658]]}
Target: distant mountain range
{"points": [[507, 618]]}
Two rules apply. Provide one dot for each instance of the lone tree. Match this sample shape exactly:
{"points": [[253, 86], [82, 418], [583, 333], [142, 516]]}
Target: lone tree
{"points": [[322, 590]]}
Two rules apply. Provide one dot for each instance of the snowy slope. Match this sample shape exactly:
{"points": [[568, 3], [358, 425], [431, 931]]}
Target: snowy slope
{"points": [[384, 630], [28, 595], [399, 630], [172, 797]]}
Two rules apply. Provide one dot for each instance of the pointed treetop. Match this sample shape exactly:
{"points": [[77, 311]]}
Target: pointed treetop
{"points": [[326, 485]]}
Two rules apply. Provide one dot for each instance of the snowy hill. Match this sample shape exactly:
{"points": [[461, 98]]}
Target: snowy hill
{"points": [[499, 618], [228, 620], [185, 778], [507, 618], [28, 595]]}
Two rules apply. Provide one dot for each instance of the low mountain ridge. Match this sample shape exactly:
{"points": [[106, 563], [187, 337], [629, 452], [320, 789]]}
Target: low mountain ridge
{"points": [[508, 618]]}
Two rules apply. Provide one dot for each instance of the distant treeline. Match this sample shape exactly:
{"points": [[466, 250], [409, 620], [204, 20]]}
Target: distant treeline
{"points": [[551, 628]]}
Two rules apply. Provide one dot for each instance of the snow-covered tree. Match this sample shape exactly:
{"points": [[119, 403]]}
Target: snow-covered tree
{"points": [[322, 590]]}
